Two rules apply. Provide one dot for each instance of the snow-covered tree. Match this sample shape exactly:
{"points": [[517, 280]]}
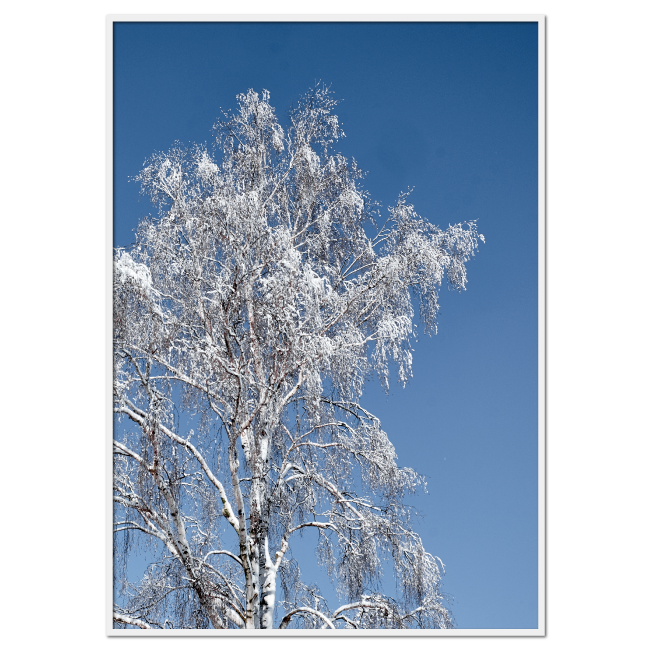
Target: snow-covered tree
{"points": [[248, 316]]}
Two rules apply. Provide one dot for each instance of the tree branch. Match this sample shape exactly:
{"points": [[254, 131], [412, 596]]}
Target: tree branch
{"points": [[120, 618], [308, 610]]}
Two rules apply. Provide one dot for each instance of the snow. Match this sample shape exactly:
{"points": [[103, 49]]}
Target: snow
{"points": [[257, 305]]}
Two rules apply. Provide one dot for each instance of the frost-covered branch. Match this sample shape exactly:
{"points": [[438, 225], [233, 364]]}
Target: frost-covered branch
{"points": [[222, 552], [120, 618], [307, 610], [140, 419]]}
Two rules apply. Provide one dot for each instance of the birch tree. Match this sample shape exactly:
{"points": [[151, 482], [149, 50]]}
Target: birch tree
{"points": [[248, 316]]}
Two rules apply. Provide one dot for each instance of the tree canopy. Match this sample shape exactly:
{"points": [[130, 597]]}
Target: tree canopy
{"points": [[248, 316]]}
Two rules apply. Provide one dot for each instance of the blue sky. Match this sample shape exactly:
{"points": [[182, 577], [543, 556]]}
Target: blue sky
{"points": [[450, 110]]}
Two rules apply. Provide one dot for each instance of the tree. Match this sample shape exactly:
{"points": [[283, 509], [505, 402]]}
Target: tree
{"points": [[254, 307]]}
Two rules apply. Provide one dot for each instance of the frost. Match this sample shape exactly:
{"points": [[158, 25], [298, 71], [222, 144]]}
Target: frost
{"points": [[256, 304], [128, 270]]}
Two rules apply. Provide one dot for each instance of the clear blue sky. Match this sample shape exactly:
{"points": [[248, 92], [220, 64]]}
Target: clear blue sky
{"points": [[449, 109]]}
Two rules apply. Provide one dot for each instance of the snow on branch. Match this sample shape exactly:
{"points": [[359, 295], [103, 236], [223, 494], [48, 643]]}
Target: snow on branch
{"points": [[307, 610], [120, 618]]}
